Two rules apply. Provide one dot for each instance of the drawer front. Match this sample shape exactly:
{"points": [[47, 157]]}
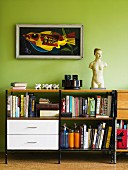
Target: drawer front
{"points": [[32, 127], [122, 100], [122, 114], [32, 142]]}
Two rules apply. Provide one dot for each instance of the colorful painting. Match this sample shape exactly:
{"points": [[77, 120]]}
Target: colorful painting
{"points": [[49, 41]]}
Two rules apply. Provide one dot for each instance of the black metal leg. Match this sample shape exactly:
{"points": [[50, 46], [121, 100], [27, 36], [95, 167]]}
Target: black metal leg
{"points": [[6, 157], [59, 160]]}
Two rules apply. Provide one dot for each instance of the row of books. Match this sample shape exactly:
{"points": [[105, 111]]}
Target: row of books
{"points": [[21, 106], [87, 107], [89, 138], [122, 134], [96, 138], [26, 106]]}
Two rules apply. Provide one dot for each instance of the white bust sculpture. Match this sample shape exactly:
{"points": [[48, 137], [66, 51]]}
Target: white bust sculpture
{"points": [[97, 67]]}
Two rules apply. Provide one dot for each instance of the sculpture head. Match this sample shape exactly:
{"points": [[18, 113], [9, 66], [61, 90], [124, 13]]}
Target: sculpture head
{"points": [[98, 53]]}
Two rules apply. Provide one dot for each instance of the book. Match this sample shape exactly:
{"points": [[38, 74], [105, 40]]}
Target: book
{"points": [[67, 104], [109, 105], [22, 105], [63, 105], [105, 137], [9, 106], [43, 101], [13, 106], [76, 106], [18, 84], [91, 107], [102, 135], [49, 113], [89, 137], [32, 106], [19, 88], [94, 139], [108, 137], [49, 106], [85, 137], [99, 129], [121, 139], [26, 105], [98, 105]]}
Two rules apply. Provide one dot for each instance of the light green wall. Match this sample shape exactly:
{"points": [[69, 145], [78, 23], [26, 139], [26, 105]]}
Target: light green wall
{"points": [[105, 26]]}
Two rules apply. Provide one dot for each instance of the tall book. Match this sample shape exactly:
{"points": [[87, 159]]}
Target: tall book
{"points": [[91, 107], [98, 106], [9, 106], [109, 105], [32, 106], [22, 105], [102, 135], [108, 137], [67, 104], [99, 129], [94, 139], [13, 106], [85, 137]]}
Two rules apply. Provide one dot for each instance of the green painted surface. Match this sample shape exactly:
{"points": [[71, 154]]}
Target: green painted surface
{"points": [[105, 26]]}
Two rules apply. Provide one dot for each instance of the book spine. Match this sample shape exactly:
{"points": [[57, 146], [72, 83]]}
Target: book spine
{"points": [[9, 106], [94, 140], [98, 105], [31, 108], [22, 106], [108, 137], [13, 106], [67, 104]]}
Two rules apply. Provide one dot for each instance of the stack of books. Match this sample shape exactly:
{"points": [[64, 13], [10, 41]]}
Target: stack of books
{"points": [[46, 108], [19, 85]]}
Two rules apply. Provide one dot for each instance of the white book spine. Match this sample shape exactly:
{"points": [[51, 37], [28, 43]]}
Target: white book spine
{"points": [[101, 138], [67, 104], [13, 105]]}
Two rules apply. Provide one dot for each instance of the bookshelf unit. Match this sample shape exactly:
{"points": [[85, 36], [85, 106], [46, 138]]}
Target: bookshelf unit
{"points": [[40, 127], [31, 133], [90, 121], [121, 115]]}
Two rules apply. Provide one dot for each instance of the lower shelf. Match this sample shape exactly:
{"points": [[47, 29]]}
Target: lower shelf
{"points": [[80, 149]]}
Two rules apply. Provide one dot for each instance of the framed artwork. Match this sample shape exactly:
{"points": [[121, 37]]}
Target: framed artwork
{"points": [[49, 41]]}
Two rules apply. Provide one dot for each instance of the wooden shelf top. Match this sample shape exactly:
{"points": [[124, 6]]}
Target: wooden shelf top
{"points": [[85, 118], [57, 118], [87, 90], [62, 90], [34, 90], [33, 118]]}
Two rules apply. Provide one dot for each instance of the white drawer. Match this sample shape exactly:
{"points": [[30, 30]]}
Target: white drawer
{"points": [[32, 142], [32, 127]]}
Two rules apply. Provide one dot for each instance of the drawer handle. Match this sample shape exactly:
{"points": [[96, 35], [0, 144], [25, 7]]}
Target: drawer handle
{"points": [[32, 127], [31, 142]]}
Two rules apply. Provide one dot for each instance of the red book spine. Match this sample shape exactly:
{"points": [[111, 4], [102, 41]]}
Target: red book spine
{"points": [[63, 103]]}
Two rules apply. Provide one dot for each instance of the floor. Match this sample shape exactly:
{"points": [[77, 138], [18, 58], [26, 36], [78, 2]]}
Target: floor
{"points": [[69, 161]]}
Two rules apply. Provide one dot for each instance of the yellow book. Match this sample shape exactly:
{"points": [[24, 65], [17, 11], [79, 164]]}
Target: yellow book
{"points": [[108, 137]]}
